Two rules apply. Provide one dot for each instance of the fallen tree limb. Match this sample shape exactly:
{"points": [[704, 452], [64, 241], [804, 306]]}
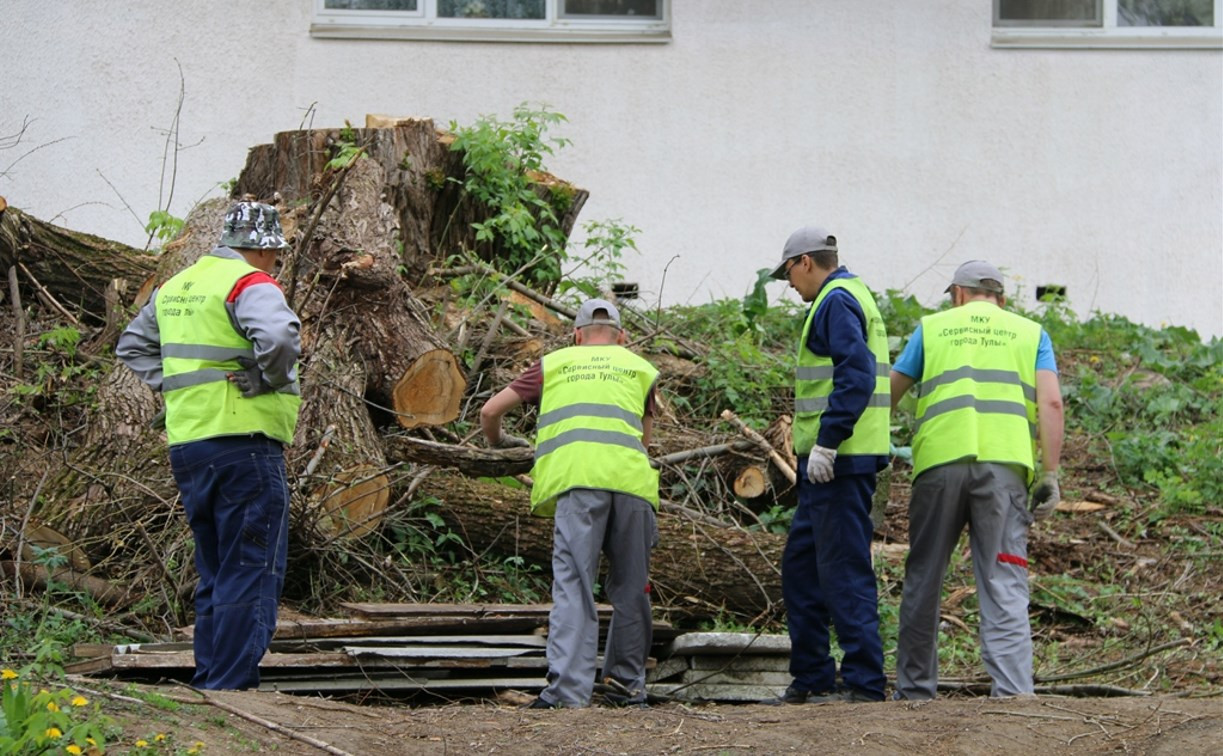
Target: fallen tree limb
{"points": [[713, 450], [764, 445], [1121, 664], [699, 571], [469, 460]]}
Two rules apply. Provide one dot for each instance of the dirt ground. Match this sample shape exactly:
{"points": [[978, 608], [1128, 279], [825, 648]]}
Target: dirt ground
{"points": [[274, 721]]}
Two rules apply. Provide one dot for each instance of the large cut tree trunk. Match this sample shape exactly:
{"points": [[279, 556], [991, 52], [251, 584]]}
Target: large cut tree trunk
{"points": [[76, 267], [697, 569]]}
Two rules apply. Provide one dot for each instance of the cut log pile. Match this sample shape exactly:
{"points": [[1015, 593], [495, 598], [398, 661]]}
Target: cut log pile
{"points": [[394, 369]]}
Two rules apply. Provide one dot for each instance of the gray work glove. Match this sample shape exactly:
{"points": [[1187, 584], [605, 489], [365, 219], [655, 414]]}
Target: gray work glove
{"points": [[820, 464], [1045, 496], [510, 441], [249, 379], [159, 420]]}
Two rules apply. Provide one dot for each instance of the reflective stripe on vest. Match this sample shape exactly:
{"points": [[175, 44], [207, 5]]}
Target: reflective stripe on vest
{"points": [[977, 398], [199, 348], [589, 433], [813, 382]]}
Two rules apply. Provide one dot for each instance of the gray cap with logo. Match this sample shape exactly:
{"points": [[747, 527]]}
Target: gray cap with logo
{"points": [[253, 225], [977, 274], [586, 314], [806, 239]]}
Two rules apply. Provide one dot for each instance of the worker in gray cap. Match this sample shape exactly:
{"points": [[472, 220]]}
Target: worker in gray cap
{"points": [[841, 437], [989, 388], [593, 475]]}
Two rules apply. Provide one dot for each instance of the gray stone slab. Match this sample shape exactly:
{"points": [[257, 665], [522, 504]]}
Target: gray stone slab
{"points": [[729, 643], [729, 693], [744, 663]]}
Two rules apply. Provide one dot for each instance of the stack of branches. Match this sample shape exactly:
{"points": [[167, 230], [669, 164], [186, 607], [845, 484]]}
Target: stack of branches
{"points": [[392, 496]]}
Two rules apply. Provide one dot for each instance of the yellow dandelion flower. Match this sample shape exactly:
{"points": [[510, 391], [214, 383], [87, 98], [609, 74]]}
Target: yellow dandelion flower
{"points": [[52, 706], [192, 751], [74, 749], [53, 732], [91, 741], [141, 743], [159, 737], [79, 700], [8, 674]]}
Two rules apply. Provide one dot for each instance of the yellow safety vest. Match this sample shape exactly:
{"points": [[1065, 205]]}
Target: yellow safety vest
{"points": [[813, 382], [199, 347], [589, 429], [977, 397]]}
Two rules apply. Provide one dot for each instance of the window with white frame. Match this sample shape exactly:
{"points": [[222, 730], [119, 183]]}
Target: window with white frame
{"points": [[495, 20], [1184, 24]]}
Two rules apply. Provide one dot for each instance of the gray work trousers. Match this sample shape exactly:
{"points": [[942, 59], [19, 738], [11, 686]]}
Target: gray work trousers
{"points": [[625, 529], [992, 499]]}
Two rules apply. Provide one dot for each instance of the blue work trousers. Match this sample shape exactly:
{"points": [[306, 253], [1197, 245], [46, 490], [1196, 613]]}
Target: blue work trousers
{"points": [[237, 502], [827, 579]]}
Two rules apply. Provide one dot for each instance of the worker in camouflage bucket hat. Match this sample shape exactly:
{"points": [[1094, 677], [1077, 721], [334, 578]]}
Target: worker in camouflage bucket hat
{"points": [[253, 225], [221, 344]]}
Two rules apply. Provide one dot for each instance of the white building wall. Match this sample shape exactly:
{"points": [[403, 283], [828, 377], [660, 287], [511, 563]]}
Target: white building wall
{"points": [[893, 123]]}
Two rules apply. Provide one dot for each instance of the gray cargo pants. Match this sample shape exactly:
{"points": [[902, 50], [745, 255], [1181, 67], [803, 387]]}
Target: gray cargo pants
{"points": [[625, 529], [992, 499]]}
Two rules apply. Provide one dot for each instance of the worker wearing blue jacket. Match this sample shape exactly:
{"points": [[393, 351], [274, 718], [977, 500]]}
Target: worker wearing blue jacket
{"points": [[842, 399]]}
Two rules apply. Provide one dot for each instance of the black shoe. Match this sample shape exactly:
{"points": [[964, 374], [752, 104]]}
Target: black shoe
{"points": [[620, 702], [853, 695], [795, 696], [539, 703]]}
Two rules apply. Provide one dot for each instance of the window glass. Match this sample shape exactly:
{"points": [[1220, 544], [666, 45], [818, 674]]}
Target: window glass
{"points": [[635, 8], [1048, 12], [1165, 13], [379, 5], [511, 9]]}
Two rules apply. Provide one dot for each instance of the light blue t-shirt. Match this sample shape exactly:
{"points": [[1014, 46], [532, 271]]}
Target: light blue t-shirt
{"points": [[912, 357]]}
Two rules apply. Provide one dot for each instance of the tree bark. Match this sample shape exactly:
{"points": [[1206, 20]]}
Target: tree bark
{"points": [[697, 570], [76, 267]]}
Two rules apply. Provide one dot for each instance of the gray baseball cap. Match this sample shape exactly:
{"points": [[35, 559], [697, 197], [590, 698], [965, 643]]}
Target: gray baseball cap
{"points": [[977, 274], [253, 225], [806, 239], [586, 314]]}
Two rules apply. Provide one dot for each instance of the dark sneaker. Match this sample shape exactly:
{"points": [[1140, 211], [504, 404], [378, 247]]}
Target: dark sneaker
{"points": [[539, 703], [620, 702], [794, 695], [853, 695]]}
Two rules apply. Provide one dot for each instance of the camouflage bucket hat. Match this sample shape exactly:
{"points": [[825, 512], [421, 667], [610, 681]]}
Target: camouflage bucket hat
{"points": [[253, 225]]}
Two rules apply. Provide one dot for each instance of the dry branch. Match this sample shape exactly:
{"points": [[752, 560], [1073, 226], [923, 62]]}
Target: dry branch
{"points": [[469, 460], [764, 445]]}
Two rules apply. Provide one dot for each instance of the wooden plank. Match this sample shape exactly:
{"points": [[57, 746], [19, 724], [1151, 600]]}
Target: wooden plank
{"points": [[328, 644], [411, 625], [404, 684], [690, 644], [380, 610], [436, 652]]}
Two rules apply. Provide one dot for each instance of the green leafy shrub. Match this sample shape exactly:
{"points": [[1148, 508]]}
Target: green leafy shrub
{"points": [[504, 160]]}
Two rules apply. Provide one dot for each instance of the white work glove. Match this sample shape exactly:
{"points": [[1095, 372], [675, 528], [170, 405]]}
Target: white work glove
{"points": [[1045, 496], [509, 441], [820, 463]]}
